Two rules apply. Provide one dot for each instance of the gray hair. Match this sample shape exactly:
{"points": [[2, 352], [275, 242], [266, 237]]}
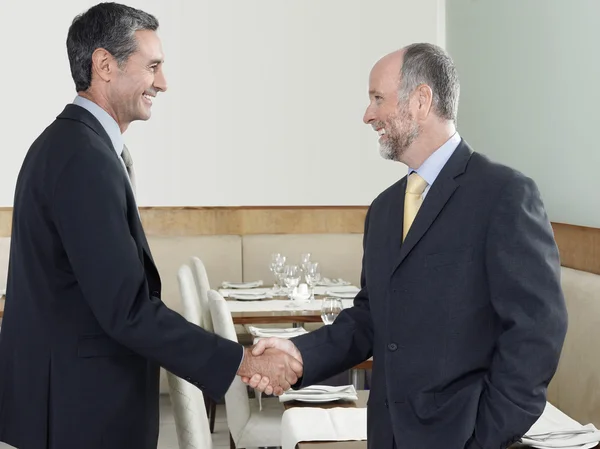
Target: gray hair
{"points": [[429, 64], [110, 26]]}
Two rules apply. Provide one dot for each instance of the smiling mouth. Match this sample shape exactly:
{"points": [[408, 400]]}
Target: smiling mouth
{"points": [[148, 98]]}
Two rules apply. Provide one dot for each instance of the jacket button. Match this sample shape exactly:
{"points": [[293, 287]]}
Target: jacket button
{"points": [[392, 347]]}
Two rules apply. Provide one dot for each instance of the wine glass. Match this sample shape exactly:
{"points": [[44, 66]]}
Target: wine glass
{"points": [[291, 277], [276, 266], [330, 309], [313, 276], [304, 261]]}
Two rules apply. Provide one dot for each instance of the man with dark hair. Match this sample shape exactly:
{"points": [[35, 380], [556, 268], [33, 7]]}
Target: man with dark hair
{"points": [[460, 304], [85, 330]]}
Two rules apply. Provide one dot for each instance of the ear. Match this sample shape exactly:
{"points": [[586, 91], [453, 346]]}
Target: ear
{"points": [[424, 97], [102, 64]]}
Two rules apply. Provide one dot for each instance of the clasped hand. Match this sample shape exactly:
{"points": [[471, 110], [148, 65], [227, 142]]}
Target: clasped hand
{"points": [[271, 366]]}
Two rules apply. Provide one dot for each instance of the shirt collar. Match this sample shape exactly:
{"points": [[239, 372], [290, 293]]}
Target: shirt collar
{"points": [[108, 123], [431, 168]]}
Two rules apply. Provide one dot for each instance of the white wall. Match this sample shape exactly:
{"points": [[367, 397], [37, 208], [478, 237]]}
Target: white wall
{"points": [[265, 101], [530, 91]]}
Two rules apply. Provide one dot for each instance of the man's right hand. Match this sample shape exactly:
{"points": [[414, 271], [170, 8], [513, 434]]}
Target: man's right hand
{"points": [[276, 370], [261, 381]]}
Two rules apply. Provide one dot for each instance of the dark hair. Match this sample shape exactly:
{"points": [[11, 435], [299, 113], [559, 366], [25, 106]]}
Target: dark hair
{"points": [[110, 26], [431, 65]]}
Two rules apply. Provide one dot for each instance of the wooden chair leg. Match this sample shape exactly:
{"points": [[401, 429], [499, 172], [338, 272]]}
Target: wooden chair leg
{"points": [[213, 413], [207, 402]]}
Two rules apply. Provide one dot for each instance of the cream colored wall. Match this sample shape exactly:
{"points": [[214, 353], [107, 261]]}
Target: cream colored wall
{"points": [[265, 97]]}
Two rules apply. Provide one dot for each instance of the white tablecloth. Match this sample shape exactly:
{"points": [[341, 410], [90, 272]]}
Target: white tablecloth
{"points": [[280, 305], [318, 424]]}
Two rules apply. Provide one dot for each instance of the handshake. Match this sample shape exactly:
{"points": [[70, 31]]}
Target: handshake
{"points": [[272, 366]]}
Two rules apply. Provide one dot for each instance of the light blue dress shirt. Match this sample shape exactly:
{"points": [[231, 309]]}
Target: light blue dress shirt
{"points": [[431, 168], [108, 123]]}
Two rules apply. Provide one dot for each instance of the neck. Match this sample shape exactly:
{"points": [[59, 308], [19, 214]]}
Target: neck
{"points": [[428, 142], [102, 101]]}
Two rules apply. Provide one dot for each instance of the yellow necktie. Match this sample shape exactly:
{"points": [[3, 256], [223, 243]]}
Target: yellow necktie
{"points": [[415, 187]]}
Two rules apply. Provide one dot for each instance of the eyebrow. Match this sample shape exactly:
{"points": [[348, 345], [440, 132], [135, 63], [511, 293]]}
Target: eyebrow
{"points": [[156, 61], [375, 92]]}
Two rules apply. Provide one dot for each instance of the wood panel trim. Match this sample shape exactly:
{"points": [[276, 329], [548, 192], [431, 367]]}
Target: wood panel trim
{"points": [[579, 245], [245, 220]]}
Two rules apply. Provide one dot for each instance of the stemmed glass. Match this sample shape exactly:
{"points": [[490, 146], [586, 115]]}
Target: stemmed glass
{"points": [[313, 276], [276, 266], [304, 261], [291, 277], [330, 309]]}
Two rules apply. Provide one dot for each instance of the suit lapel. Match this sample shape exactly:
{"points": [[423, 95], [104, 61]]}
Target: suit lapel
{"points": [[77, 113], [439, 193], [396, 219]]}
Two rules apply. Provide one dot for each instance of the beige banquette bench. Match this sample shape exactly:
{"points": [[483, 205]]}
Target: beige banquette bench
{"points": [[575, 389]]}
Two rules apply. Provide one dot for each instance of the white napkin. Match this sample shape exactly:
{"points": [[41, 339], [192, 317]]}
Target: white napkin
{"points": [[554, 429], [249, 296], [252, 284], [330, 282], [339, 289], [276, 332], [318, 424], [320, 393], [342, 294], [227, 292]]}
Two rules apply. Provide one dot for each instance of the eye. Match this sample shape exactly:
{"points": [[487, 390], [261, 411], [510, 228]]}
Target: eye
{"points": [[378, 98], [153, 67]]}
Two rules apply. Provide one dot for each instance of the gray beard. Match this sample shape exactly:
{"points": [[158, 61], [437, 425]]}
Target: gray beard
{"points": [[394, 147]]}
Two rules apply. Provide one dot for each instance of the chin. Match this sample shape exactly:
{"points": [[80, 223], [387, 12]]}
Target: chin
{"points": [[144, 116], [387, 152]]}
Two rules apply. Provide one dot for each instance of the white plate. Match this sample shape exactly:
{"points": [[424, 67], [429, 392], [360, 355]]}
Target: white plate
{"points": [[249, 297], [345, 295], [321, 398], [253, 284]]}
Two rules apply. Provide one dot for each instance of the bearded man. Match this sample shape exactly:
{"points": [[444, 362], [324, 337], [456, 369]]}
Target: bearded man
{"points": [[460, 304]]}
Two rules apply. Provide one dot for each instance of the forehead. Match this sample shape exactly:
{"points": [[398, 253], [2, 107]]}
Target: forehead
{"points": [[385, 75], [149, 45]]}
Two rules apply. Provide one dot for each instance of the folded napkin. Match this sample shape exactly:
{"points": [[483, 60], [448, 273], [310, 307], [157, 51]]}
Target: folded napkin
{"points": [[252, 284], [319, 424], [326, 282], [554, 429], [227, 292], [249, 297], [342, 294], [276, 332], [339, 289], [320, 393]]}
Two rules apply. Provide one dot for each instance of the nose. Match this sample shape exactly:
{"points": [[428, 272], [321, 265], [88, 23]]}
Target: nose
{"points": [[160, 82], [369, 115]]}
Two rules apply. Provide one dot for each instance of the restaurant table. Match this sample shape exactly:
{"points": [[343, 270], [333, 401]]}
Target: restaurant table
{"points": [[363, 396]]}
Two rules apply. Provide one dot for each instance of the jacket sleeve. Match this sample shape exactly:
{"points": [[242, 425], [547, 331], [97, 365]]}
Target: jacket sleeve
{"points": [[523, 269], [90, 213], [343, 344]]}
